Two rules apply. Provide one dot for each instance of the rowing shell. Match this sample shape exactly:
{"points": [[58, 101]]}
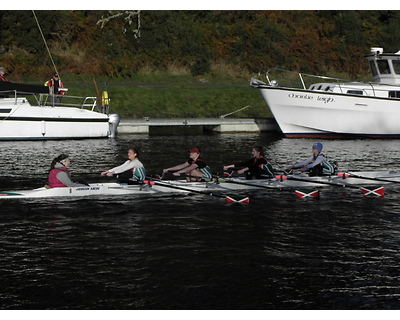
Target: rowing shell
{"points": [[91, 190], [222, 186], [100, 189]]}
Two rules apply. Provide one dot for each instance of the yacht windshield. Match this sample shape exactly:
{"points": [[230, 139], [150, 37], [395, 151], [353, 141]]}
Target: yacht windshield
{"points": [[396, 66], [383, 66], [373, 68]]}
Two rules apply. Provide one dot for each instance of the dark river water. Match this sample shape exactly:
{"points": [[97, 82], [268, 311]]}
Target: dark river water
{"points": [[195, 251]]}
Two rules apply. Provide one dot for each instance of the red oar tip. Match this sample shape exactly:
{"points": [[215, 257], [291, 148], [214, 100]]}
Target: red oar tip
{"points": [[245, 200], [343, 175], [307, 194], [231, 200], [281, 177], [380, 191]]}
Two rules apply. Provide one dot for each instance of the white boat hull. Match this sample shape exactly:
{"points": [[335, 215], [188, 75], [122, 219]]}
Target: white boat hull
{"points": [[306, 113], [25, 122], [222, 186], [96, 189]]}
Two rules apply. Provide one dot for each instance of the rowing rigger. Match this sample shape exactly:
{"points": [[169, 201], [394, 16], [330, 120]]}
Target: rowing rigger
{"points": [[169, 185], [378, 191]]}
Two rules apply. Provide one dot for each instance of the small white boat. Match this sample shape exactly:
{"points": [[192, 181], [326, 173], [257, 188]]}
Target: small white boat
{"points": [[26, 114], [219, 186], [314, 106]]}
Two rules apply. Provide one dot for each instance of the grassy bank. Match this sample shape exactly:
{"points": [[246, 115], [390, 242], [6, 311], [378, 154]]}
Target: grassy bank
{"points": [[174, 101], [166, 96]]}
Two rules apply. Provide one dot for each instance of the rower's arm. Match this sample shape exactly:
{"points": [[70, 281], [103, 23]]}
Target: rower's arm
{"points": [[188, 169], [66, 181], [178, 167]]}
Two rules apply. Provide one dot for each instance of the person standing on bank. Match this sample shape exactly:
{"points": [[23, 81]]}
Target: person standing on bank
{"points": [[56, 84]]}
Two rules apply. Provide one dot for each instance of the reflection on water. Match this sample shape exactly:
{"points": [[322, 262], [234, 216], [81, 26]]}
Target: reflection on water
{"points": [[194, 251]]}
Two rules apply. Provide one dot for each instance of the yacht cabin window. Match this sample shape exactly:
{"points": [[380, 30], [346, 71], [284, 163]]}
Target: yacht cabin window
{"points": [[396, 66], [383, 66], [394, 94], [373, 68], [355, 92]]}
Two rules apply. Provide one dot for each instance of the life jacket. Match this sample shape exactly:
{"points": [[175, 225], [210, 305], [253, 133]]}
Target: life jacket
{"points": [[53, 182], [50, 83]]}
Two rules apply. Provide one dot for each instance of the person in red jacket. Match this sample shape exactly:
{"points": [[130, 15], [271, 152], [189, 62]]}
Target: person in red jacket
{"points": [[55, 82], [2, 72], [59, 175]]}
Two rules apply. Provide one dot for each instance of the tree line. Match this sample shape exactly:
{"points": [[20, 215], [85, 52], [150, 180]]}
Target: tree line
{"points": [[122, 43]]}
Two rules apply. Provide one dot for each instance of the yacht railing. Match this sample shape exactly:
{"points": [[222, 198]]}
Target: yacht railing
{"points": [[299, 78], [284, 78], [41, 100]]}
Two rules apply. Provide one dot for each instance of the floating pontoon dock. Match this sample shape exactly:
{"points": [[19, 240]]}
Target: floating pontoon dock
{"points": [[196, 126]]}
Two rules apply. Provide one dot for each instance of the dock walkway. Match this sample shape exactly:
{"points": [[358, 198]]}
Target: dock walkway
{"points": [[196, 125]]}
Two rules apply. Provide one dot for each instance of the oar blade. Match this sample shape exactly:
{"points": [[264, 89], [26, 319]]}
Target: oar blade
{"points": [[245, 200], [307, 194], [231, 200], [380, 191]]}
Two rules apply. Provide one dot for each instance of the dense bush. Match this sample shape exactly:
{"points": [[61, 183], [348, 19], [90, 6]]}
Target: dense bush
{"points": [[123, 43]]}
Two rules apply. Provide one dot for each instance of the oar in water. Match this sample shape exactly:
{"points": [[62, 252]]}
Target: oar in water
{"points": [[168, 185], [377, 191], [352, 175]]}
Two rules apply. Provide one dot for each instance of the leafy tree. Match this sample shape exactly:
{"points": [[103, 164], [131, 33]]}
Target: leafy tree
{"points": [[121, 43]]}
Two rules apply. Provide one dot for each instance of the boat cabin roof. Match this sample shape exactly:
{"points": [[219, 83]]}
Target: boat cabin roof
{"points": [[384, 67]]}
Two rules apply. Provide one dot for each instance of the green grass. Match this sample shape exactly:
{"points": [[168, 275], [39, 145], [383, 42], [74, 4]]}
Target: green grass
{"points": [[174, 100], [162, 95]]}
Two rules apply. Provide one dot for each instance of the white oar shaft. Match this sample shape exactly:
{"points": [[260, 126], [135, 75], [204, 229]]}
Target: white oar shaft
{"points": [[167, 185], [351, 175]]}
